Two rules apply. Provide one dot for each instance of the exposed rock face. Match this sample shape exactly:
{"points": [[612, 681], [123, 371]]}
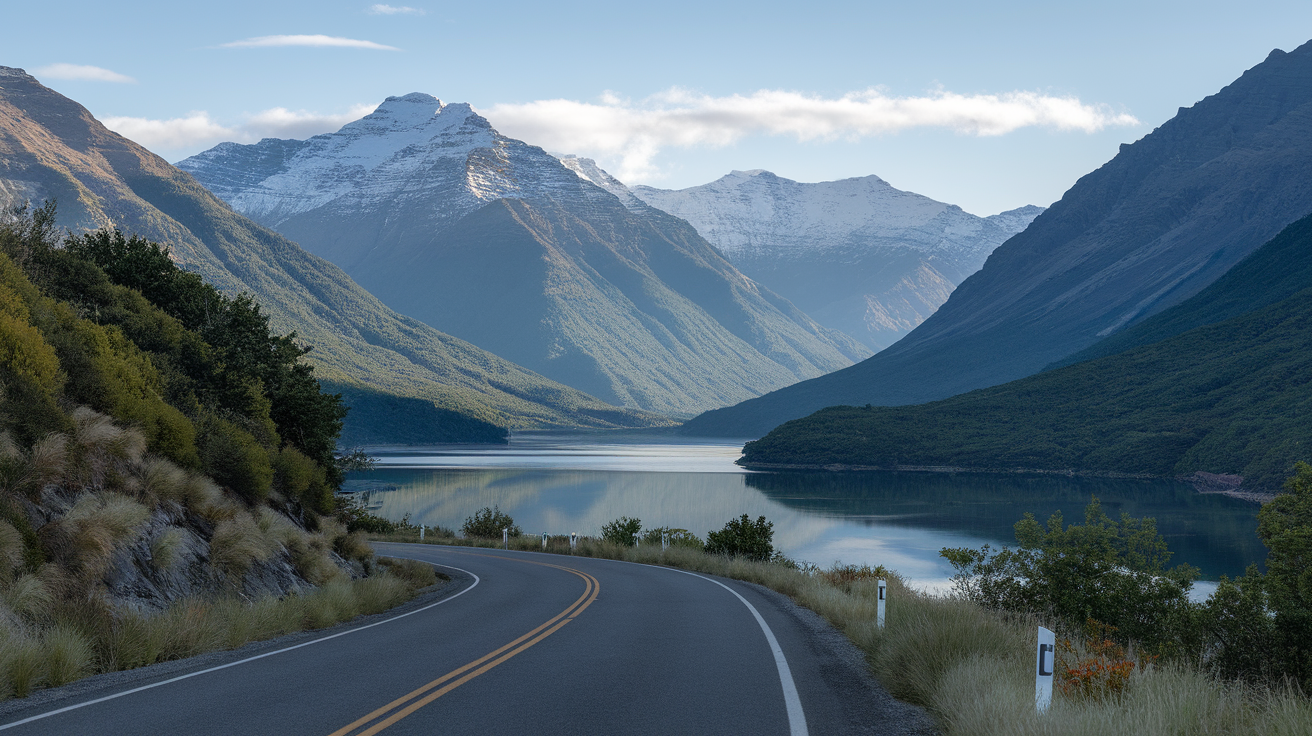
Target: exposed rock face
{"points": [[499, 243], [52, 148], [1156, 224], [856, 255]]}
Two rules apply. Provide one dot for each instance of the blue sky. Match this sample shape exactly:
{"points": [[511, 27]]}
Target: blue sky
{"points": [[985, 106]]}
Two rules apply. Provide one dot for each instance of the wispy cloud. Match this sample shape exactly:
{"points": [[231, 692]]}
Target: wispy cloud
{"points": [[306, 40], [82, 73], [394, 10], [198, 130], [635, 132]]}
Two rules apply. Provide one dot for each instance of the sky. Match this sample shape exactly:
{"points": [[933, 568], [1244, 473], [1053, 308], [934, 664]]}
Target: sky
{"points": [[988, 106]]}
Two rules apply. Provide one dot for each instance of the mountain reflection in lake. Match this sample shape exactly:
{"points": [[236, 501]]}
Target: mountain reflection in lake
{"points": [[562, 483]]}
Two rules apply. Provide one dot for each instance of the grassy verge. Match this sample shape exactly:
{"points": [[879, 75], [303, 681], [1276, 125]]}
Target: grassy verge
{"points": [[972, 668], [72, 640]]}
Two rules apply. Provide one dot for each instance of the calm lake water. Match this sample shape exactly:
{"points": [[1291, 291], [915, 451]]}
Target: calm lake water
{"points": [[560, 483]]}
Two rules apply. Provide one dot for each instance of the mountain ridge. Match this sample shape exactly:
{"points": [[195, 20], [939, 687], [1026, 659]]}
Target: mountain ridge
{"points": [[53, 148], [497, 242], [1153, 226]]}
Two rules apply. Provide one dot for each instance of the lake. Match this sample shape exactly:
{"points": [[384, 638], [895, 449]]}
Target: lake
{"points": [[561, 483]]}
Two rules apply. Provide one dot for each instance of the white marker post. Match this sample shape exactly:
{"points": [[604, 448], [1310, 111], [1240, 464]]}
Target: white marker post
{"points": [[505, 537], [1046, 663], [421, 532], [879, 609], [544, 540], [573, 541], [665, 541]]}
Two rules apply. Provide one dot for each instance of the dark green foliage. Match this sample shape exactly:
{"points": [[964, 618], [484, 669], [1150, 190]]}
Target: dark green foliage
{"points": [[487, 524], [743, 537], [234, 458], [246, 349], [622, 531], [1241, 629], [1285, 526], [1108, 571], [300, 478], [674, 537]]}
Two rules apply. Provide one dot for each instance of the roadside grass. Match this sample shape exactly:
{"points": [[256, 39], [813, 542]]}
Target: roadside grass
{"points": [[76, 639], [970, 667]]}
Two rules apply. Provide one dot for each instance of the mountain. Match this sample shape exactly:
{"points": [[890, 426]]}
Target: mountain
{"points": [[857, 255], [1225, 392], [52, 148], [497, 242], [1150, 228]]}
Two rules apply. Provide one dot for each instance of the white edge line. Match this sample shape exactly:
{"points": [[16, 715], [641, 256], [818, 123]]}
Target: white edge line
{"points": [[171, 680], [792, 701], [796, 718]]}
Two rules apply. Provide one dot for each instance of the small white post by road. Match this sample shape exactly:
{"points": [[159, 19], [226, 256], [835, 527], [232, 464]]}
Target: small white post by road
{"points": [[879, 608], [1046, 663], [665, 541], [505, 537], [573, 541], [421, 532], [544, 540]]}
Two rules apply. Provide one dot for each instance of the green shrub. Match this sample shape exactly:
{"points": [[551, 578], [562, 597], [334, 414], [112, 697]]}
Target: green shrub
{"points": [[676, 537], [234, 459], [301, 478], [487, 523], [1108, 571], [743, 537], [623, 531]]}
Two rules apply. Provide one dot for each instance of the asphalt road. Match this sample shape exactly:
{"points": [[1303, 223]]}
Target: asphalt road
{"points": [[519, 643]]}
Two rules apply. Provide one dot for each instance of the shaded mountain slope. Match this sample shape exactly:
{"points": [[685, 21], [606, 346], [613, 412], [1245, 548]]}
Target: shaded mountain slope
{"points": [[1159, 222], [51, 147], [498, 243], [1230, 397]]}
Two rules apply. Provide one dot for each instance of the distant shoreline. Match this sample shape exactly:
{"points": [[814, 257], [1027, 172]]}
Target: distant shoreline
{"points": [[1204, 483]]}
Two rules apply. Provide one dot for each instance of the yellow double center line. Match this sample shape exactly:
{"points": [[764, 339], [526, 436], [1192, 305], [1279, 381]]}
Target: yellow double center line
{"points": [[413, 701]]}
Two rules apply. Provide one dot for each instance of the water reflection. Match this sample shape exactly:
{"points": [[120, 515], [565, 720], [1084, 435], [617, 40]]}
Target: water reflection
{"points": [[577, 483]]}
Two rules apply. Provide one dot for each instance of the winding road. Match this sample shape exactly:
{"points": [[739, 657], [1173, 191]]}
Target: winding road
{"points": [[518, 643]]}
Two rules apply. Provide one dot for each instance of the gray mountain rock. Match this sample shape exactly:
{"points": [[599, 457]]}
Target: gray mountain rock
{"points": [[499, 243], [1155, 225], [856, 255]]}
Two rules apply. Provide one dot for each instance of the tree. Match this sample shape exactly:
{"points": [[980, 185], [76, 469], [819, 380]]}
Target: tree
{"points": [[1112, 572], [742, 537], [487, 523], [623, 531], [1285, 526]]}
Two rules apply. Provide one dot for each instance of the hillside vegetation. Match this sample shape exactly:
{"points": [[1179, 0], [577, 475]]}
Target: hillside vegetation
{"points": [[54, 149], [1229, 397], [167, 468]]}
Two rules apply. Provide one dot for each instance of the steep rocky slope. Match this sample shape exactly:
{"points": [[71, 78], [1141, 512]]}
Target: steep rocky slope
{"points": [[1156, 224], [497, 242], [52, 148]]}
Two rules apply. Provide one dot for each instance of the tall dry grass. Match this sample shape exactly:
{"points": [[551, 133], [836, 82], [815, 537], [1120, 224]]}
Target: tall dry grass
{"points": [[971, 668]]}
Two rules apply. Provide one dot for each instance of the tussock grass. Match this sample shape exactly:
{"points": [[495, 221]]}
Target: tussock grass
{"points": [[970, 667], [238, 543], [89, 637]]}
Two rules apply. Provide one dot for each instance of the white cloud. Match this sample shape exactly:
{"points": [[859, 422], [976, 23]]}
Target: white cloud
{"points": [[199, 131], [634, 133], [81, 73], [311, 40], [394, 10]]}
